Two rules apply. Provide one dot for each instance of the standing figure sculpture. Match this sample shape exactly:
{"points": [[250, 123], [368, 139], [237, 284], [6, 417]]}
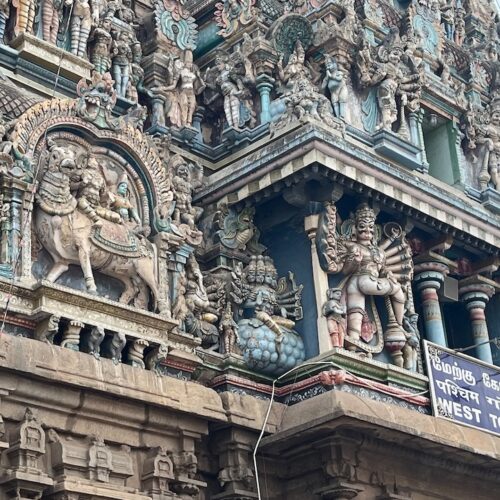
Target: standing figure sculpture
{"points": [[295, 70], [335, 82], [372, 266], [230, 93], [410, 350], [51, 15], [81, 22], [121, 57], [100, 55], [335, 314], [25, 16]]}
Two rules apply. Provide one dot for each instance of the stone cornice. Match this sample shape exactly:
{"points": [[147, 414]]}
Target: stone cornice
{"points": [[309, 145]]}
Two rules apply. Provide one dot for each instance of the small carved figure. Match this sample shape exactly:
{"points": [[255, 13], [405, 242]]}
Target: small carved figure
{"points": [[100, 54], [47, 329], [25, 16], [295, 70], [115, 348], [460, 26], [229, 330], [335, 313], [231, 14], [410, 349], [81, 22], [94, 340], [335, 82], [126, 13], [155, 358], [121, 58], [448, 18], [121, 204]]}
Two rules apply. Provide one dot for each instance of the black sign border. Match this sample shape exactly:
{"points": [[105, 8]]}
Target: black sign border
{"points": [[435, 411]]}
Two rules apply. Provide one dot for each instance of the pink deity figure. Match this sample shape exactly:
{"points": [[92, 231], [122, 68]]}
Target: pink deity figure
{"points": [[335, 314], [367, 265]]}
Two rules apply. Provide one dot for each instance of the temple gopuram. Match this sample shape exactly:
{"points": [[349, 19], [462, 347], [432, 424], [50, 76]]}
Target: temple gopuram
{"points": [[249, 249]]}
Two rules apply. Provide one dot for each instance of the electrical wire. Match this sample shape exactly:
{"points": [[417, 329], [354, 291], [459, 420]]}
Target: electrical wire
{"points": [[29, 211], [406, 394]]}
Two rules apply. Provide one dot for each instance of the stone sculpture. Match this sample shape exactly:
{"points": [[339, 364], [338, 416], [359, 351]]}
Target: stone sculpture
{"points": [[121, 59], [100, 53], [335, 82], [176, 23], [412, 345], [51, 11], [231, 14], [397, 82], [25, 16], [229, 331], [375, 262], [98, 227], [483, 128], [335, 313], [94, 341], [267, 340], [81, 22]]}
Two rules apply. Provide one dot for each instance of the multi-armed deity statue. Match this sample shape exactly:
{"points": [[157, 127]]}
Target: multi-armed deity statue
{"points": [[374, 261]]}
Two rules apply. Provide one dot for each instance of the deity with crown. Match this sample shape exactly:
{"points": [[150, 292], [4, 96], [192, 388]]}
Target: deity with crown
{"points": [[374, 261], [270, 306]]}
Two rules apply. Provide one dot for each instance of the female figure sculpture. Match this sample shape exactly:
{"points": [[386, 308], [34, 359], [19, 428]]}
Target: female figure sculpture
{"points": [[81, 22], [121, 59], [231, 94], [335, 82]]}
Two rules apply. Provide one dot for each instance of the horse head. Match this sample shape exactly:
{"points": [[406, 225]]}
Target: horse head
{"points": [[61, 158]]}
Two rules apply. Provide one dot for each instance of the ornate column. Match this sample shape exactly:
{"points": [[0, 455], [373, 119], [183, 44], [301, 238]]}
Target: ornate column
{"points": [[417, 136], [429, 276], [264, 87], [320, 283], [475, 292]]}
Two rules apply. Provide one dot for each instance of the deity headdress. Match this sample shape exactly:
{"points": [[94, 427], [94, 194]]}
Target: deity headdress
{"points": [[364, 213]]}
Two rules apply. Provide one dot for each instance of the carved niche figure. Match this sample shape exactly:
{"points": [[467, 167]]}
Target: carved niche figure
{"points": [[199, 321], [300, 96], [121, 204], [335, 82], [51, 14], [229, 330], [267, 340], [25, 16], [335, 314], [100, 54], [460, 27], [237, 229], [231, 14], [186, 178], [184, 83], [373, 266], [94, 341], [121, 59], [483, 128], [81, 22], [65, 215], [447, 8], [412, 345], [397, 82]]}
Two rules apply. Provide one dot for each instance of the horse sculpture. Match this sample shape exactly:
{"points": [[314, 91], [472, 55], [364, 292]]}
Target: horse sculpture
{"points": [[75, 231]]}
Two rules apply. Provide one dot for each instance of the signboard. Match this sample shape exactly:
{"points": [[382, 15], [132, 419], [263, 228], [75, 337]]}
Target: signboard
{"points": [[463, 389]]}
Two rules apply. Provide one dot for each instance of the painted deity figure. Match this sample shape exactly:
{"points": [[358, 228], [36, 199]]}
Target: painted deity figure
{"points": [[410, 349], [230, 92], [335, 314], [121, 204], [51, 15], [121, 58], [100, 55], [295, 70], [371, 266], [93, 194], [81, 22], [448, 18], [25, 15], [335, 82], [387, 73], [229, 331]]}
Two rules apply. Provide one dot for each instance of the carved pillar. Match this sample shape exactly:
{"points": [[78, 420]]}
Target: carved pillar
{"points": [[234, 448], [320, 283], [71, 335], [197, 119], [475, 293], [264, 87], [429, 276], [163, 245], [417, 136]]}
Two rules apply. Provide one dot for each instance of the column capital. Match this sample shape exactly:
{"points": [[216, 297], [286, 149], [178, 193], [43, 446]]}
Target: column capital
{"points": [[264, 81], [311, 223], [476, 286], [430, 275]]}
